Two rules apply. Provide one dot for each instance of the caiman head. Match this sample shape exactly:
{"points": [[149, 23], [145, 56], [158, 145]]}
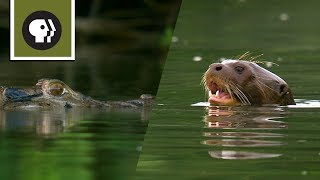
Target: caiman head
{"points": [[53, 93], [46, 93]]}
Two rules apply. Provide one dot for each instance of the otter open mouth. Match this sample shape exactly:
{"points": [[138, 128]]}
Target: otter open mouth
{"points": [[219, 95]]}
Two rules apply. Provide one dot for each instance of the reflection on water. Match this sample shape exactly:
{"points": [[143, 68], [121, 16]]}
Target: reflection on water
{"points": [[96, 144], [251, 118], [241, 143], [240, 155], [256, 118], [300, 103], [44, 123], [49, 123], [304, 103], [241, 135]]}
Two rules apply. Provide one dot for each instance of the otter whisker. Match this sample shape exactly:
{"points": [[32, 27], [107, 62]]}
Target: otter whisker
{"points": [[239, 93], [206, 92], [265, 62], [241, 98], [262, 90], [244, 97], [254, 57], [261, 83], [266, 95], [232, 92], [230, 87], [243, 81], [229, 91], [204, 79], [246, 54]]}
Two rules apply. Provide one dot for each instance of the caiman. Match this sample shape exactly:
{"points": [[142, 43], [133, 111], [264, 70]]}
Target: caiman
{"points": [[53, 93]]}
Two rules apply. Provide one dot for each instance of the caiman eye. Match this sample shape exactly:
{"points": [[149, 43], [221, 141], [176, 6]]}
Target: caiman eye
{"points": [[239, 69], [56, 89]]}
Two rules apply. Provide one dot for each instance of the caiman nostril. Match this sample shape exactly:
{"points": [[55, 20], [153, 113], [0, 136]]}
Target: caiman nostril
{"points": [[218, 68]]}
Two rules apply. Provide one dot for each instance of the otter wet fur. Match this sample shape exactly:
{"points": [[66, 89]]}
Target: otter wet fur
{"points": [[243, 82]]}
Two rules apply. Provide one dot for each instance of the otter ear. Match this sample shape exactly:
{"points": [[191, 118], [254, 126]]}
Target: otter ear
{"points": [[283, 88]]}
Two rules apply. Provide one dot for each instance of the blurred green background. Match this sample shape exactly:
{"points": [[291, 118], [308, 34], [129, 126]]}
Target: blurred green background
{"points": [[285, 32]]}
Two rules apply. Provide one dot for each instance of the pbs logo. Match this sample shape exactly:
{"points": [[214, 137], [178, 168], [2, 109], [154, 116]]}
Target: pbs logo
{"points": [[41, 30]]}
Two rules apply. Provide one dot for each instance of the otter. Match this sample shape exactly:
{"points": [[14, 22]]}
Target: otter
{"points": [[242, 82]]}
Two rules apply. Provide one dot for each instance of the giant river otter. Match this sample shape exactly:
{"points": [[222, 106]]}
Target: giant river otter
{"points": [[241, 82]]}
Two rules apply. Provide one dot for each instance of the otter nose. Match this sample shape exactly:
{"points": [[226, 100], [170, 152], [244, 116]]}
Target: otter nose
{"points": [[216, 66]]}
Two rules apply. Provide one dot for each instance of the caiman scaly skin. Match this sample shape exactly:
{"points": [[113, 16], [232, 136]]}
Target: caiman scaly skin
{"points": [[53, 93]]}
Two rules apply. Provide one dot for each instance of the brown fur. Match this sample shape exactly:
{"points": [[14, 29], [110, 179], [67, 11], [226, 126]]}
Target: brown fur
{"points": [[254, 85]]}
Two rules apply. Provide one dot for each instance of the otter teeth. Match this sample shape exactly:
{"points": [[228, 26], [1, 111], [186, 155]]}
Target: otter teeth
{"points": [[217, 93]]}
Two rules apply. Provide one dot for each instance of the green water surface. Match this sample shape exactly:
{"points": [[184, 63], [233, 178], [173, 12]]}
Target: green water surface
{"points": [[176, 145]]}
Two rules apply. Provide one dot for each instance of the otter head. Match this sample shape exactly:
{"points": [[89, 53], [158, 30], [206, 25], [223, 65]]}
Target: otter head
{"points": [[238, 82]]}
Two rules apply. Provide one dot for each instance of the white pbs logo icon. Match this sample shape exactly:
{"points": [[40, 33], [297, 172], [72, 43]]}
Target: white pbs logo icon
{"points": [[39, 29]]}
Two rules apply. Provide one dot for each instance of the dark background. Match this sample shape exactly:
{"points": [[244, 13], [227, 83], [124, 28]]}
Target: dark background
{"points": [[121, 48]]}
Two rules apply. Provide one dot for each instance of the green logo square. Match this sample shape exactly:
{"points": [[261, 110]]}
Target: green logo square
{"points": [[42, 30]]}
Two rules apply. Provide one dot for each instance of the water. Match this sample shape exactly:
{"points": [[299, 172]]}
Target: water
{"points": [[81, 144], [197, 142], [258, 143]]}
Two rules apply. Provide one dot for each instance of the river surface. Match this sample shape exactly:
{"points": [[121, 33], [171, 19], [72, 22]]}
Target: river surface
{"points": [[186, 139], [71, 144]]}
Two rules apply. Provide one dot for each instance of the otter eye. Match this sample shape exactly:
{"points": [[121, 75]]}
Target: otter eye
{"points": [[239, 69], [56, 89]]}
